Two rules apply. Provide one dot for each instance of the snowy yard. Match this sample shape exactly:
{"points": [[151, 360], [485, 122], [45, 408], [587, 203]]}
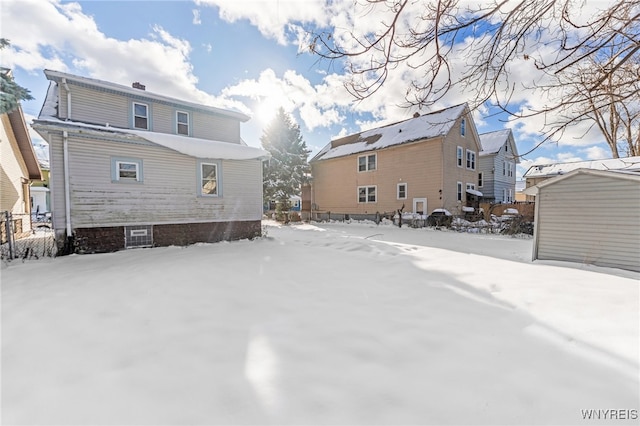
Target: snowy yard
{"points": [[320, 324]]}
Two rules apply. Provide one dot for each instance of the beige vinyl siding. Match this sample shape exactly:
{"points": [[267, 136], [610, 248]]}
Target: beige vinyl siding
{"points": [[453, 173], [12, 171], [94, 106], [168, 193], [100, 107], [335, 181], [590, 219], [215, 127]]}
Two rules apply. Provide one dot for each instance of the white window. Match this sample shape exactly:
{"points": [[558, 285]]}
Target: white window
{"points": [[463, 127], [140, 116], [459, 154], [459, 192], [402, 191], [504, 168], [182, 123], [511, 167], [209, 178], [126, 169], [480, 182], [366, 194], [504, 195], [510, 199], [471, 160], [471, 186], [366, 163]]}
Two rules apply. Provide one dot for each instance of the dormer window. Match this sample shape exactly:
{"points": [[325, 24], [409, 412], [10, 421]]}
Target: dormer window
{"points": [[182, 123], [140, 116]]}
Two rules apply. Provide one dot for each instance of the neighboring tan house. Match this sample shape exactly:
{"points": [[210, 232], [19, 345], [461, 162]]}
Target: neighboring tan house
{"points": [[497, 166], [130, 168], [589, 216], [18, 168], [541, 172], [424, 163]]}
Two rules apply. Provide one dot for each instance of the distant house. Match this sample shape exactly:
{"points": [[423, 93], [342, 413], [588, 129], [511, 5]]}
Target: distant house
{"points": [[40, 193], [589, 216], [18, 169], [497, 166], [131, 168], [424, 163], [541, 172]]}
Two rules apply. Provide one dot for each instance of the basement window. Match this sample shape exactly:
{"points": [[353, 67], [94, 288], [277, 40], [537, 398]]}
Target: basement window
{"points": [[138, 236]]}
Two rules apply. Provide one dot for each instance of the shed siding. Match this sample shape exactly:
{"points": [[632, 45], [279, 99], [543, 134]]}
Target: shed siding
{"points": [[576, 222], [168, 193]]}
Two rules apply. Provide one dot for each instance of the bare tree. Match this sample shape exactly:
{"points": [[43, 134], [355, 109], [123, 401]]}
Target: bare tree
{"points": [[426, 36]]}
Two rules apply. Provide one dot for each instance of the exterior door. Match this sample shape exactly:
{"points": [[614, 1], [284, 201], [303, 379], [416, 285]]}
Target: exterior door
{"points": [[420, 205]]}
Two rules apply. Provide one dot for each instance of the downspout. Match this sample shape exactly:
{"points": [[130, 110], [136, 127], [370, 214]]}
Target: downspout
{"points": [[66, 88], [67, 194]]}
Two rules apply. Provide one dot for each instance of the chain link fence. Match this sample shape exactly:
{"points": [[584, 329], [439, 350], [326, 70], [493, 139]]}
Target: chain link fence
{"points": [[25, 236]]}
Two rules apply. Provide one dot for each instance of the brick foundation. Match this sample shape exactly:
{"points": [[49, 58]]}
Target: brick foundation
{"points": [[98, 240], [109, 239]]}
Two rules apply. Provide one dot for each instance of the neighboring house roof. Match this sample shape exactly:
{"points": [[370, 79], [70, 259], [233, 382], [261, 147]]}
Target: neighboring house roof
{"points": [[546, 170], [194, 147], [48, 108], [21, 133], [426, 126], [618, 174], [491, 143]]}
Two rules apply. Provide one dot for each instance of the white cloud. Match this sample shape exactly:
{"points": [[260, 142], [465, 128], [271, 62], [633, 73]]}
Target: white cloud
{"points": [[196, 17], [596, 153], [160, 61]]}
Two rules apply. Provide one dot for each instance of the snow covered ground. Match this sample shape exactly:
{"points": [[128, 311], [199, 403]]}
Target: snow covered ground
{"points": [[320, 324]]}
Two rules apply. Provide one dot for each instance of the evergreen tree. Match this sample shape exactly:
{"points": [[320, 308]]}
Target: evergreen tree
{"points": [[287, 169], [10, 93]]}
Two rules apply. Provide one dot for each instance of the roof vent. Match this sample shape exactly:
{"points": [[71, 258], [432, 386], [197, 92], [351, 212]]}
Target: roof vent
{"points": [[138, 85], [416, 114]]}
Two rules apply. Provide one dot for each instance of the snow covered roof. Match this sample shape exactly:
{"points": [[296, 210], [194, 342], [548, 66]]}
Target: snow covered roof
{"points": [[426, 126], [193, 147], [474, 192], [58, 76], [545, 170], [492, 141]]}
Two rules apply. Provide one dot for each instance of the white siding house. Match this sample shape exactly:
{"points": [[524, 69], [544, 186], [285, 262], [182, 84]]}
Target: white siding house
{"points": [[131, 168], [589, 216]]}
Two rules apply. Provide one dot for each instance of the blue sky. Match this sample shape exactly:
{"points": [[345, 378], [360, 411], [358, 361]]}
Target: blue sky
{"points": [[241, 54]]}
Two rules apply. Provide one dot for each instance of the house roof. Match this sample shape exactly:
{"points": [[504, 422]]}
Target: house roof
{"points": [[58, 77], [21, 133], [617, 174], [492, 142], [193, 147], [554, 169], [426, 126]]}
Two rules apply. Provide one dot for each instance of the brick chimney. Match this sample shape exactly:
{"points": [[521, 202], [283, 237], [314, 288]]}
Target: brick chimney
{"points": [[138, 85]]}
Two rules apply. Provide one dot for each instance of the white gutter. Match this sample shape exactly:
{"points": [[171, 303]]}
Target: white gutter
{"points": [[67, 195], [66, 87]]}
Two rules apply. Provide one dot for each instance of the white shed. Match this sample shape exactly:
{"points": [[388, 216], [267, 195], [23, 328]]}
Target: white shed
{"points": [[589, 216]]}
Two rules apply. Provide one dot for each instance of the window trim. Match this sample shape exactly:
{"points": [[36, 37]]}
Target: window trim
{"points": [[406, 191], [115, 170], [367, 194], [188, 123], [460, 156], [133, 115], [474, 159], [459, 194], [218, 164], [366, 163], [480, 179]]}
